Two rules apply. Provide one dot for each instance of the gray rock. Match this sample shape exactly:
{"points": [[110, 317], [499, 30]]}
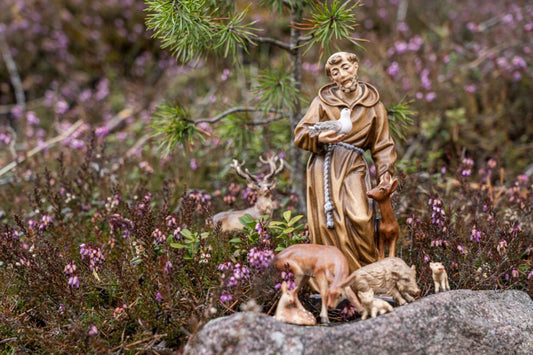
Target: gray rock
{"points": [[454, 322]]}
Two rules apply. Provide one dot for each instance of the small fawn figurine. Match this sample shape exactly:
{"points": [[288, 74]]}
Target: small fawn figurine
{"points": [[371, 305], [290, 310], [327, 264], [440, 277], [230, 219], [388, 230]]}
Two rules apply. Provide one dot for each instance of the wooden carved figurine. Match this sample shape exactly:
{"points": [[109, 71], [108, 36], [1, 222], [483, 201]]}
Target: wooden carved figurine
{"points": [[440, 277], [339, 212], [327, 265], [372, 306], [230, 219], [390, 276], [388, 230], [290, 310]]}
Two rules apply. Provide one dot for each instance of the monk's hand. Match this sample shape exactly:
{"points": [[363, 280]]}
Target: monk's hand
{"points": [[330, 137]]}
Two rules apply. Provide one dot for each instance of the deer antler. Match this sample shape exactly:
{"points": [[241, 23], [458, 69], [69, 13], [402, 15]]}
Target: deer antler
{"points": [[272, 162], [244, 174]]}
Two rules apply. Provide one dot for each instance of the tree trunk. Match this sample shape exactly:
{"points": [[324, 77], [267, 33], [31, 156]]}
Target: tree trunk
{"points": [[297, 156]]}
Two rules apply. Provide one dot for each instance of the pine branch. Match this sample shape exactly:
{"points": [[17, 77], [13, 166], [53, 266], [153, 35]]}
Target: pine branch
{"points": [[232, 111], [274, 41]]}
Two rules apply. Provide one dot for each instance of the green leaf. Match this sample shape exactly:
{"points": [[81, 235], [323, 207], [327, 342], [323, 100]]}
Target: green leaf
{"points": [[248, 221], [178, 245], [287, 215], [236, 240], [295, 220]]}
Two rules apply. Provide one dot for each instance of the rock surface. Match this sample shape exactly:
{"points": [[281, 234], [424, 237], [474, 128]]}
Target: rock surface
{"points": [[454, 322]]}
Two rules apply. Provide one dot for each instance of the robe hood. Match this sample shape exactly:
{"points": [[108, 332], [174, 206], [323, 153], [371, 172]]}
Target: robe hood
{"points": [[368, 98]]}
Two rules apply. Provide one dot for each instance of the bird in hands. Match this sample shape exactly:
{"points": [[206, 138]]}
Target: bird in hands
{"points": [[342, 126]]}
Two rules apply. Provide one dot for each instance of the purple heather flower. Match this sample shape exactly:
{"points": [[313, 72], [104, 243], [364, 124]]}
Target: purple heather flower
{"points": [[426, 258], [159, 236], [461, 249], [32, 118], [170, 221], [226, 73], [93, 330], [70, 268], [193, 165], [475, 235], [168, 267], [259, 259], [61, 308], [158, 297], [424, 79], [225, 297], [393, 69], [177, 233], [530, 275], [430, 96], [514, 273], [46, 220], [101, 131], [95, 256], [74, 282]]}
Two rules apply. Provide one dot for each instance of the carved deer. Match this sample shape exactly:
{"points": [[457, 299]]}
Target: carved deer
{"points": [[327, 264], [290, 310], [230, 219], [388, 230]]}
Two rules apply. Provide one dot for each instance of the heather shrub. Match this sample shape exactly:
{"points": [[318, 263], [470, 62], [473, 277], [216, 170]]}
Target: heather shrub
{"points": [[476, 224]]}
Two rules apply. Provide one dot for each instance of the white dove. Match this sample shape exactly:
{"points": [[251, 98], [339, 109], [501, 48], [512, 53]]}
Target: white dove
{"points": [[342, 126]]}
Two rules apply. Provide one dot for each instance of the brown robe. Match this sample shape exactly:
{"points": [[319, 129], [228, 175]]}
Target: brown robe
{"points": [[353, 231]]}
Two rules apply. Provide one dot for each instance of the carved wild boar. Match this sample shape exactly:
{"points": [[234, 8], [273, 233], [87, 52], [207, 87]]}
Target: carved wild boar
{"points": [[389, 276]]}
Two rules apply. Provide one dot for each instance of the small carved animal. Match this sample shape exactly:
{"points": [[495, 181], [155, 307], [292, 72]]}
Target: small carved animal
{"points": [[371, 305], [440, 277], [229, 220], [289, 309], [327, 265], [342, 126], [388, 229], [389, 276]]}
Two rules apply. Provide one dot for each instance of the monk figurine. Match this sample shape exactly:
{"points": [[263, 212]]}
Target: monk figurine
{"points": [[339, 212]]}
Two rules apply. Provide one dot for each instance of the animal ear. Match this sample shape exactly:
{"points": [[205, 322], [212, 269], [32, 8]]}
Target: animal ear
{"points": [[394, 185], [348, 281], [413, 267]]}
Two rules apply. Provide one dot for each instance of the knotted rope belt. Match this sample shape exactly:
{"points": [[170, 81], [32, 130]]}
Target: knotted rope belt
{"points": [[328, 206]]}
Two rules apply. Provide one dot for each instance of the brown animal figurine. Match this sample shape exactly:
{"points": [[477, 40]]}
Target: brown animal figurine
{"points": [[327, 265], [389, 276], [440, 277], [229, 220], [371, 305], [388, 230], [289, 309]]}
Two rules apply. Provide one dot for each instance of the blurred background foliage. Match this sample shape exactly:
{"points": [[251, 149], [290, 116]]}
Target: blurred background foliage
{"points": [[462, 66], [95, 117]]}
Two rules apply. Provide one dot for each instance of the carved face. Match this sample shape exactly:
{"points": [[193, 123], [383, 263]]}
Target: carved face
{"points": [[366, 297], [344, 73], [334, 297], [407, 283], [436, 267]]}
